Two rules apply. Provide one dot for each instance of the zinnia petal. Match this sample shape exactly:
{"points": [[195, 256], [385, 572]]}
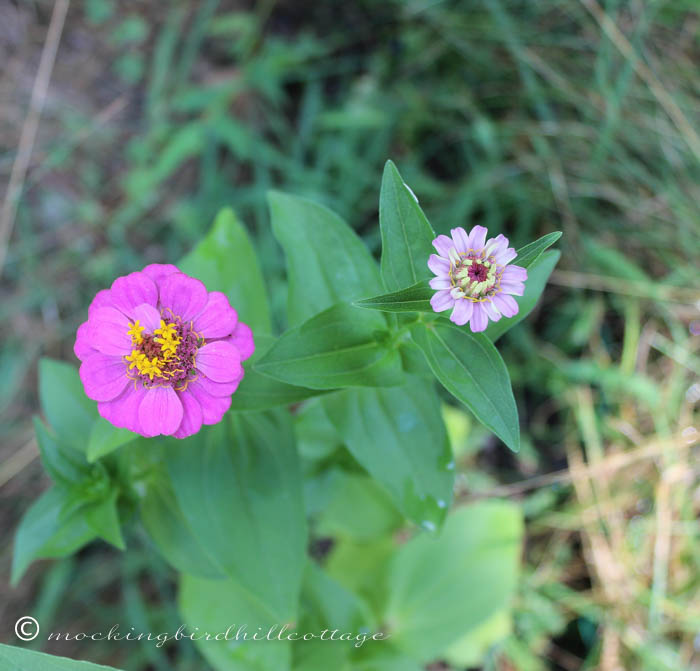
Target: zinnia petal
{"points": [[218, 319], [123, 411], [107, 330], [183, 295], [218, 389], [506, 305], [148, 317], [103, 376], [461, 239], [160, 411], [514, 274], [440, 283], [103, 299], [219, 361], [192, 418], [442, 301], [83, 347], [213, 407], [438, 265], [496, 245], [506, 255], [516, 288], [491, 310], [242, 340], [462, 311], [477, 237], [479, 319], [443, 244], [131, 290], [159, 271]]}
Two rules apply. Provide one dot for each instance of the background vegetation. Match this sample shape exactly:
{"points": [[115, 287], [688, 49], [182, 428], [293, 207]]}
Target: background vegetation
{"points": [[525, 117]]}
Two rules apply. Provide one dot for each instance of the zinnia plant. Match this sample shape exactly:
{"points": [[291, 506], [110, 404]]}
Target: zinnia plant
{"points": [[334, 430], [160, 354]]}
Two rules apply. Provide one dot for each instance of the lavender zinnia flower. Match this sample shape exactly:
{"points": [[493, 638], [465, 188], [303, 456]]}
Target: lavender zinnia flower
{"points": [[160, 354], [474, 279]]}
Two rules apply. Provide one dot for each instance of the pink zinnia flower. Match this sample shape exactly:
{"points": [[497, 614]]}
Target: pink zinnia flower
{"points": [[474, 278], [160, 354]]}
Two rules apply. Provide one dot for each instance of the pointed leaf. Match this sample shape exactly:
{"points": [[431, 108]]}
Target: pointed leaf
{"points": [[341, 347], [327, 605], [538, 274], [43, 534], [441, 589], [528, 254], [171, 531], [224, 608], [225, 261], [406, 234], [69, 411], [105, 438], [358, 507], [471, 369], [103, 518], [239, 487], [65, 465], [326, 261], [398, 435], [19, 659], [261, 392], [415, 298]]}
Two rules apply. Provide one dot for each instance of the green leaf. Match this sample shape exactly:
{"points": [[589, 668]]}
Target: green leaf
{"points": [[361, 567], [18, 659], [327, 605], [69, 411], [358, 508], [103, 519], [528, 254], [341, 347], [44, 532], [260, 392], [412, 359], [406, 234], [398, 435], [441, 589], [316, 436], [387, 659], [64, 464], [171, 531], [105, 438], [471, 369], [538, 274], [470, 650], [222, 607], [415, 298], [225, 260], [82, 492], [239, 487], [317, 654], [326, 261]]}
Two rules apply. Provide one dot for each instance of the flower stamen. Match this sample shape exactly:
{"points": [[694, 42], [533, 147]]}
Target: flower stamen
{"points": [[135, 330], [166, 356]]}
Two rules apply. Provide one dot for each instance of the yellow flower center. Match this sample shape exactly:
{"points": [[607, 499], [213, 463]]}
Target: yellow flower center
{"points": [[153, 356]]}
